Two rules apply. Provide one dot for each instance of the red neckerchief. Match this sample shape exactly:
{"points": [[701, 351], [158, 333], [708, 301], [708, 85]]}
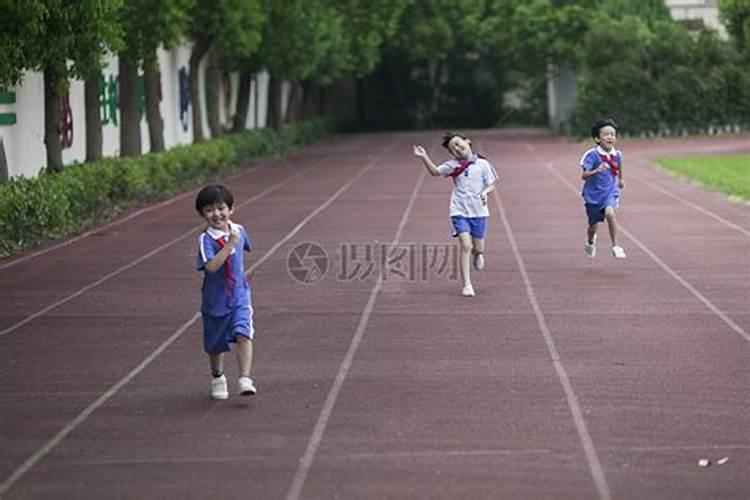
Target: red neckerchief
{"points": [[460, 169], [227, 266], [614, 168]]}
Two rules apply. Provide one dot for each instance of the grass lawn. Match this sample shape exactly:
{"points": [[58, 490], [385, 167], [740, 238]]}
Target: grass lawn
{"points": [[730, 173]]}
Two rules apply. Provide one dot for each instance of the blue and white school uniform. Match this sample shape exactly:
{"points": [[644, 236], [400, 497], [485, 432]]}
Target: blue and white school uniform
{"points": [[468, 212], [226, 299], [601, 190]]}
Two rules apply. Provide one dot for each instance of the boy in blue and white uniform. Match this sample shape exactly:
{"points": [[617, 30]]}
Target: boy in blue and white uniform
{"points": [[226, 305], [474, 178], [602, 176]]}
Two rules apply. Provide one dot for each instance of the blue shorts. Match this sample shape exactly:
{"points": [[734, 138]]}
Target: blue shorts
{"points": [[220, 331], [595, 213], [476, 226]]}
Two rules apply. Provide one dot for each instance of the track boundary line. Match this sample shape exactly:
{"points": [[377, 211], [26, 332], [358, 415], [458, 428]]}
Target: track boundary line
{"points": [[689, 203], [305, 463], [153, 252], [95, 230], [45, 449], [595, 467], [710, 305], [14, 261]]}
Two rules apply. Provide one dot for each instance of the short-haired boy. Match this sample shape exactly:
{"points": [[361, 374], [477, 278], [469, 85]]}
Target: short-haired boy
{"points": [[226, 305], [602, 176]]}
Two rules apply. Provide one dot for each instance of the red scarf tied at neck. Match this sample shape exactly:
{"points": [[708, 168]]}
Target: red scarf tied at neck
{"points": [[227, 266], [460, 169], [610, 160]]}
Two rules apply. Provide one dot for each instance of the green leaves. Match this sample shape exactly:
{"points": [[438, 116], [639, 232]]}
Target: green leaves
{"points": [[53, 206], [736, 17], [654, 76], [147, 24], [46, 34]]}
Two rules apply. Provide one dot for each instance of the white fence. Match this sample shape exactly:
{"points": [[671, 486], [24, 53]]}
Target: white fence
{"points": [[22, 112]]}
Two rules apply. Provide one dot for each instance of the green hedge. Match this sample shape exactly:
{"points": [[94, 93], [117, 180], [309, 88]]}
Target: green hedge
{"points": [[53, 206]]}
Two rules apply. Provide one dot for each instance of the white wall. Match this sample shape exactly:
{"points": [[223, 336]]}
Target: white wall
{"points": [[24, 141], [705, 10]]}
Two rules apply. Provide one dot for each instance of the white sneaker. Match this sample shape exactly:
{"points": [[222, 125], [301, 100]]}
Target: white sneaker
{"points": [[618, 252], [591, 249], [479, 262], [246, 386], [468, 291], [219, 388]]}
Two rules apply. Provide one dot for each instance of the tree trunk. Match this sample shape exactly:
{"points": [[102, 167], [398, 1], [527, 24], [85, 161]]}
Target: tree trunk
{"points": [[256, 99], [196, 56], [308, 102], [213, 88], [274, 102], [243, 101], [94, 139], [322, 101], [130, 113], [153, 112], [294, 107], [52, 121], [361, 101], [4, 173]]}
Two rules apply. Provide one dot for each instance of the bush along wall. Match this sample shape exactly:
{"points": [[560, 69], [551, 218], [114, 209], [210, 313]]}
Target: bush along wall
{"points": [[659, 79], [53, 206]]}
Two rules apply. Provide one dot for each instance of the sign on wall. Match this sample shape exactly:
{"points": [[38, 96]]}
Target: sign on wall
{"points": [[7, 98]]}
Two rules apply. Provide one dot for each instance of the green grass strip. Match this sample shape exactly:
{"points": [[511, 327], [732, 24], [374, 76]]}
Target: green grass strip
{"points": [[727, 173]]}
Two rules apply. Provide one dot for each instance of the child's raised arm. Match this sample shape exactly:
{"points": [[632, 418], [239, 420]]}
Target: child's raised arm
{"points": [[421, 153]]}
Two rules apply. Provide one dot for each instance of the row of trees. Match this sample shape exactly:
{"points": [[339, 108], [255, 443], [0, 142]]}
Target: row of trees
{"points": [[309, 43], [658, 77], [416, 62], [455, 63]]}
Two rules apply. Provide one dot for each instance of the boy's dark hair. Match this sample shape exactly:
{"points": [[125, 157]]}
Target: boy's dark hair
{"points": [[600, 124], [212, 195], [449, 136]]}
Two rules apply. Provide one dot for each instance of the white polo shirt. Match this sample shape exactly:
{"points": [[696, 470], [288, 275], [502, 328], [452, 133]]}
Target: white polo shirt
{"points": [[465, 199]]}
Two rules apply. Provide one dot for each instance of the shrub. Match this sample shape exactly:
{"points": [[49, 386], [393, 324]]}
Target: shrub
{"points": [[52, 206]]}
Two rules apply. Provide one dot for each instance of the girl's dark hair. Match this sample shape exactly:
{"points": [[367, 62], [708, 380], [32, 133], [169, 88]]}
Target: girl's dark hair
{"points": [[600, 124], [450, 135], [212, 195]]}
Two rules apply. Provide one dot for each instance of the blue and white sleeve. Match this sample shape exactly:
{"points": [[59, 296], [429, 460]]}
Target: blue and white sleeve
{"points": [[446, 168], [206, 251], [590, 160], [246, 245]]}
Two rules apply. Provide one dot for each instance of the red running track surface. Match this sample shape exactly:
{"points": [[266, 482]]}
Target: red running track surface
{"points": [[563, 378]]}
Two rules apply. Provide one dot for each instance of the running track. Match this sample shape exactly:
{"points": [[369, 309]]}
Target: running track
{"points": [[564, 377]]}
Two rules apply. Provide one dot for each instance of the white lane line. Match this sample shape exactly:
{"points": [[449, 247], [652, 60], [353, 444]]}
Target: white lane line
{"points": [[117, 222], [40, 453], [597, 473], [98, 229], [150, 254], [692, 205], [710, 305], [339, 457], [295, 489]]}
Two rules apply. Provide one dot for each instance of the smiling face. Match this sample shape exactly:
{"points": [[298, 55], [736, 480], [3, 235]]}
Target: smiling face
{"points": [[607, 137], [460, 148], [217, 216]]}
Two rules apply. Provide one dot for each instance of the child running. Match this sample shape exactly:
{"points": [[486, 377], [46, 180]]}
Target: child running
{"points": [[226, 308], [602, 176], [474, 178]]}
